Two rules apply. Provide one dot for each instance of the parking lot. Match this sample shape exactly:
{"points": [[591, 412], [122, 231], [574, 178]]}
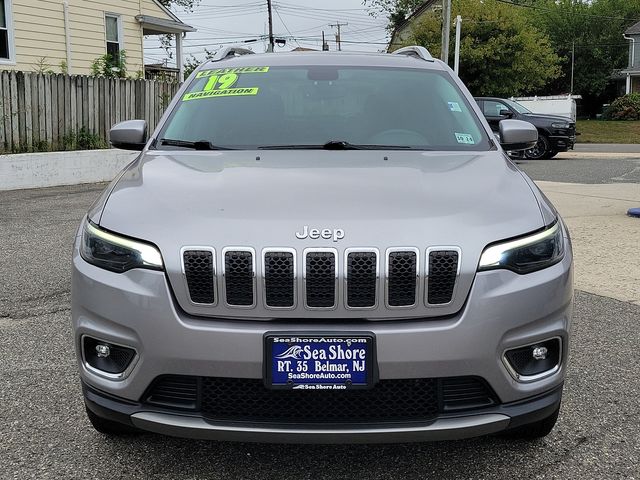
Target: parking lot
{"points": [[44, 432]]}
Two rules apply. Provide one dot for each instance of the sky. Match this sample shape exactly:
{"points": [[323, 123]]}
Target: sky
{"points": [[299, 22]]}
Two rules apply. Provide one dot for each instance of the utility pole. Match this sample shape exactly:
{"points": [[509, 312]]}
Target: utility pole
{"points": [[446, 25], [325, 45], [338, 36], [573, 61], [271, 46], [456, 61]]}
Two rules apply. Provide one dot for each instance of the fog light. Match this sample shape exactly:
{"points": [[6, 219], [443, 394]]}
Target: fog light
{"points": [[540, 353], [106, 358], [103, 350], [530, 362]]}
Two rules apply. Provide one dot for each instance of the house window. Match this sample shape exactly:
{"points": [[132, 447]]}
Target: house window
{"points": [[5, 30], [114, 35]]}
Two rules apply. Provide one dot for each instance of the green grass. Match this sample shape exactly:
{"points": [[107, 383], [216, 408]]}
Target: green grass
{"points": [[601, 131]]}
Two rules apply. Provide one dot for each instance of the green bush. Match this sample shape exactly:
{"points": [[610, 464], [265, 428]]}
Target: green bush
{"points": [[626, 107], [82, 140]]}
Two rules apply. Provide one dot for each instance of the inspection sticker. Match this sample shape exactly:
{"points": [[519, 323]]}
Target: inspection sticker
{"points": [[465, 138], [222, 71], [454, 106], [230, 92]]}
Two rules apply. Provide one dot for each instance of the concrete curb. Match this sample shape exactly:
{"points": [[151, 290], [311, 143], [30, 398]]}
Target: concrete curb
{"points": [[36, 170]]}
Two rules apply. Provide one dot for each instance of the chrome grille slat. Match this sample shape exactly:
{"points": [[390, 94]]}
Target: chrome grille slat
{"points": [[198, 268], [402, 277], [361, 278], [279, 271], [320, 278], [443, 268], [239, 277]]}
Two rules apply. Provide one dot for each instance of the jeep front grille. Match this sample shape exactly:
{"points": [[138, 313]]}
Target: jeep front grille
{"points": [[274, 280], [442, 273], [320, 279], [279, 279], [402, 278], [199, 270], [239, 278], [361, 279]]}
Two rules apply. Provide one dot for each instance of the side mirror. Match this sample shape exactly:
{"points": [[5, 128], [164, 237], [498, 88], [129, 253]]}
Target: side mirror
{"points": [[129, 135], [517, 135], [506, 113]]}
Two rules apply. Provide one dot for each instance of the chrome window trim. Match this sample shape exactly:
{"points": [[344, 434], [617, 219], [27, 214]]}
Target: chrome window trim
{"points": [[346, 276], [295, 276], [386, 278], [109, 376], [539, 376], [223, 264], [335, 282], [444, 248], [215, 278]]}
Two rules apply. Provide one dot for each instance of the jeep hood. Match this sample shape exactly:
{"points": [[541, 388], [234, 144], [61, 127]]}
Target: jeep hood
{"points": [[379, 199]]}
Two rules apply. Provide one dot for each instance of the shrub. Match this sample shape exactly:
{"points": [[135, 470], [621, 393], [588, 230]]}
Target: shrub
{"points": [[82, 140], [626, 107]]}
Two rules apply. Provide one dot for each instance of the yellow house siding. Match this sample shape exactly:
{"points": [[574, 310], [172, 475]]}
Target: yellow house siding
{"points": [[39, 31]]}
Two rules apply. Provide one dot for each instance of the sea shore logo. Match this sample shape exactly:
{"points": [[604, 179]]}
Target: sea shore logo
{"points": [[294, 352]]}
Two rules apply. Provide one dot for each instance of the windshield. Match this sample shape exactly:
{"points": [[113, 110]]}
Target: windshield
{"points": [[310, 107], [517, 107]]}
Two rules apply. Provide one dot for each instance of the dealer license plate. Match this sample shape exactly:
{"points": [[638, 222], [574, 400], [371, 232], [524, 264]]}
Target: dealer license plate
{"points": [[319, 362]]}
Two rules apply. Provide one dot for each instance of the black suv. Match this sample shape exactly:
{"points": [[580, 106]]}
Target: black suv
{"points": [[555, 133]]}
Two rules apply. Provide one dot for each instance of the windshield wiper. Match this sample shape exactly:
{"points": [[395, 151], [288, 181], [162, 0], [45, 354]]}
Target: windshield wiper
{"points": [[199, 145], [336, 145]]}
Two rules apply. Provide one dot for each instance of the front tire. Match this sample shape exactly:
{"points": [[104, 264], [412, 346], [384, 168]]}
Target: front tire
{"points": [[109, 427], [536, 430], [541, 151]]}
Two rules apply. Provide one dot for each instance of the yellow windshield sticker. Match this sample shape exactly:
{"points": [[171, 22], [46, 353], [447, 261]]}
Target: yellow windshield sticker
{"points": [[221, 82], [229, 92], [223, 71]]}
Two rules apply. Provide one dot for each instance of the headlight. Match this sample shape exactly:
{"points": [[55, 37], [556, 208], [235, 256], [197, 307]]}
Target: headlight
{"points": [[116, 253], [560, 125], [527, 254]]}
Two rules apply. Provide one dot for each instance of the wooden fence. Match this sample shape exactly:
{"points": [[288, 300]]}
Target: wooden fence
{"points": [[53, 112]]}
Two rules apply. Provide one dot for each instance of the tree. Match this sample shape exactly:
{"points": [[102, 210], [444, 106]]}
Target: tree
{"points": [[595, 28], [188, 5], [396, 11], [502, 53]]}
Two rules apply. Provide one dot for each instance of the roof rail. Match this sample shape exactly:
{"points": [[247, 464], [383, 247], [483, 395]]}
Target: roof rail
{"points": [[415, 51], [225, 52]]}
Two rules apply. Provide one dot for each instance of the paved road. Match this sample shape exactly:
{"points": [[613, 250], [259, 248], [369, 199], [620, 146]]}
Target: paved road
{"points": [[608, 147], [584, 169], [44, 434]]}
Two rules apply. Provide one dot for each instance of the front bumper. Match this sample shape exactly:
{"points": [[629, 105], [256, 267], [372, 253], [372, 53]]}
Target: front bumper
{"points": [[562, 143], [503, 311], [445, 427]]}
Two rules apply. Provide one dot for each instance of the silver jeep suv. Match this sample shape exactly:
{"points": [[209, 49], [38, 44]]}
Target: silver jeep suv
{"points": [[323, 247]]}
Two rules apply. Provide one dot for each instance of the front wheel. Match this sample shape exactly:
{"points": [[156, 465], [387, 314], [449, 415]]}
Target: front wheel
{"points": [[541, 151]]}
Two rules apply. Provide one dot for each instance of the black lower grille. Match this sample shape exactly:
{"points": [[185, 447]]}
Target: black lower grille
{"points": [[238, 278], [462, 393], [242, 400], [362, 279], [175, 391], [402, 279], [198, 269], [443, 271], [279, 279], [320, 279]]}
